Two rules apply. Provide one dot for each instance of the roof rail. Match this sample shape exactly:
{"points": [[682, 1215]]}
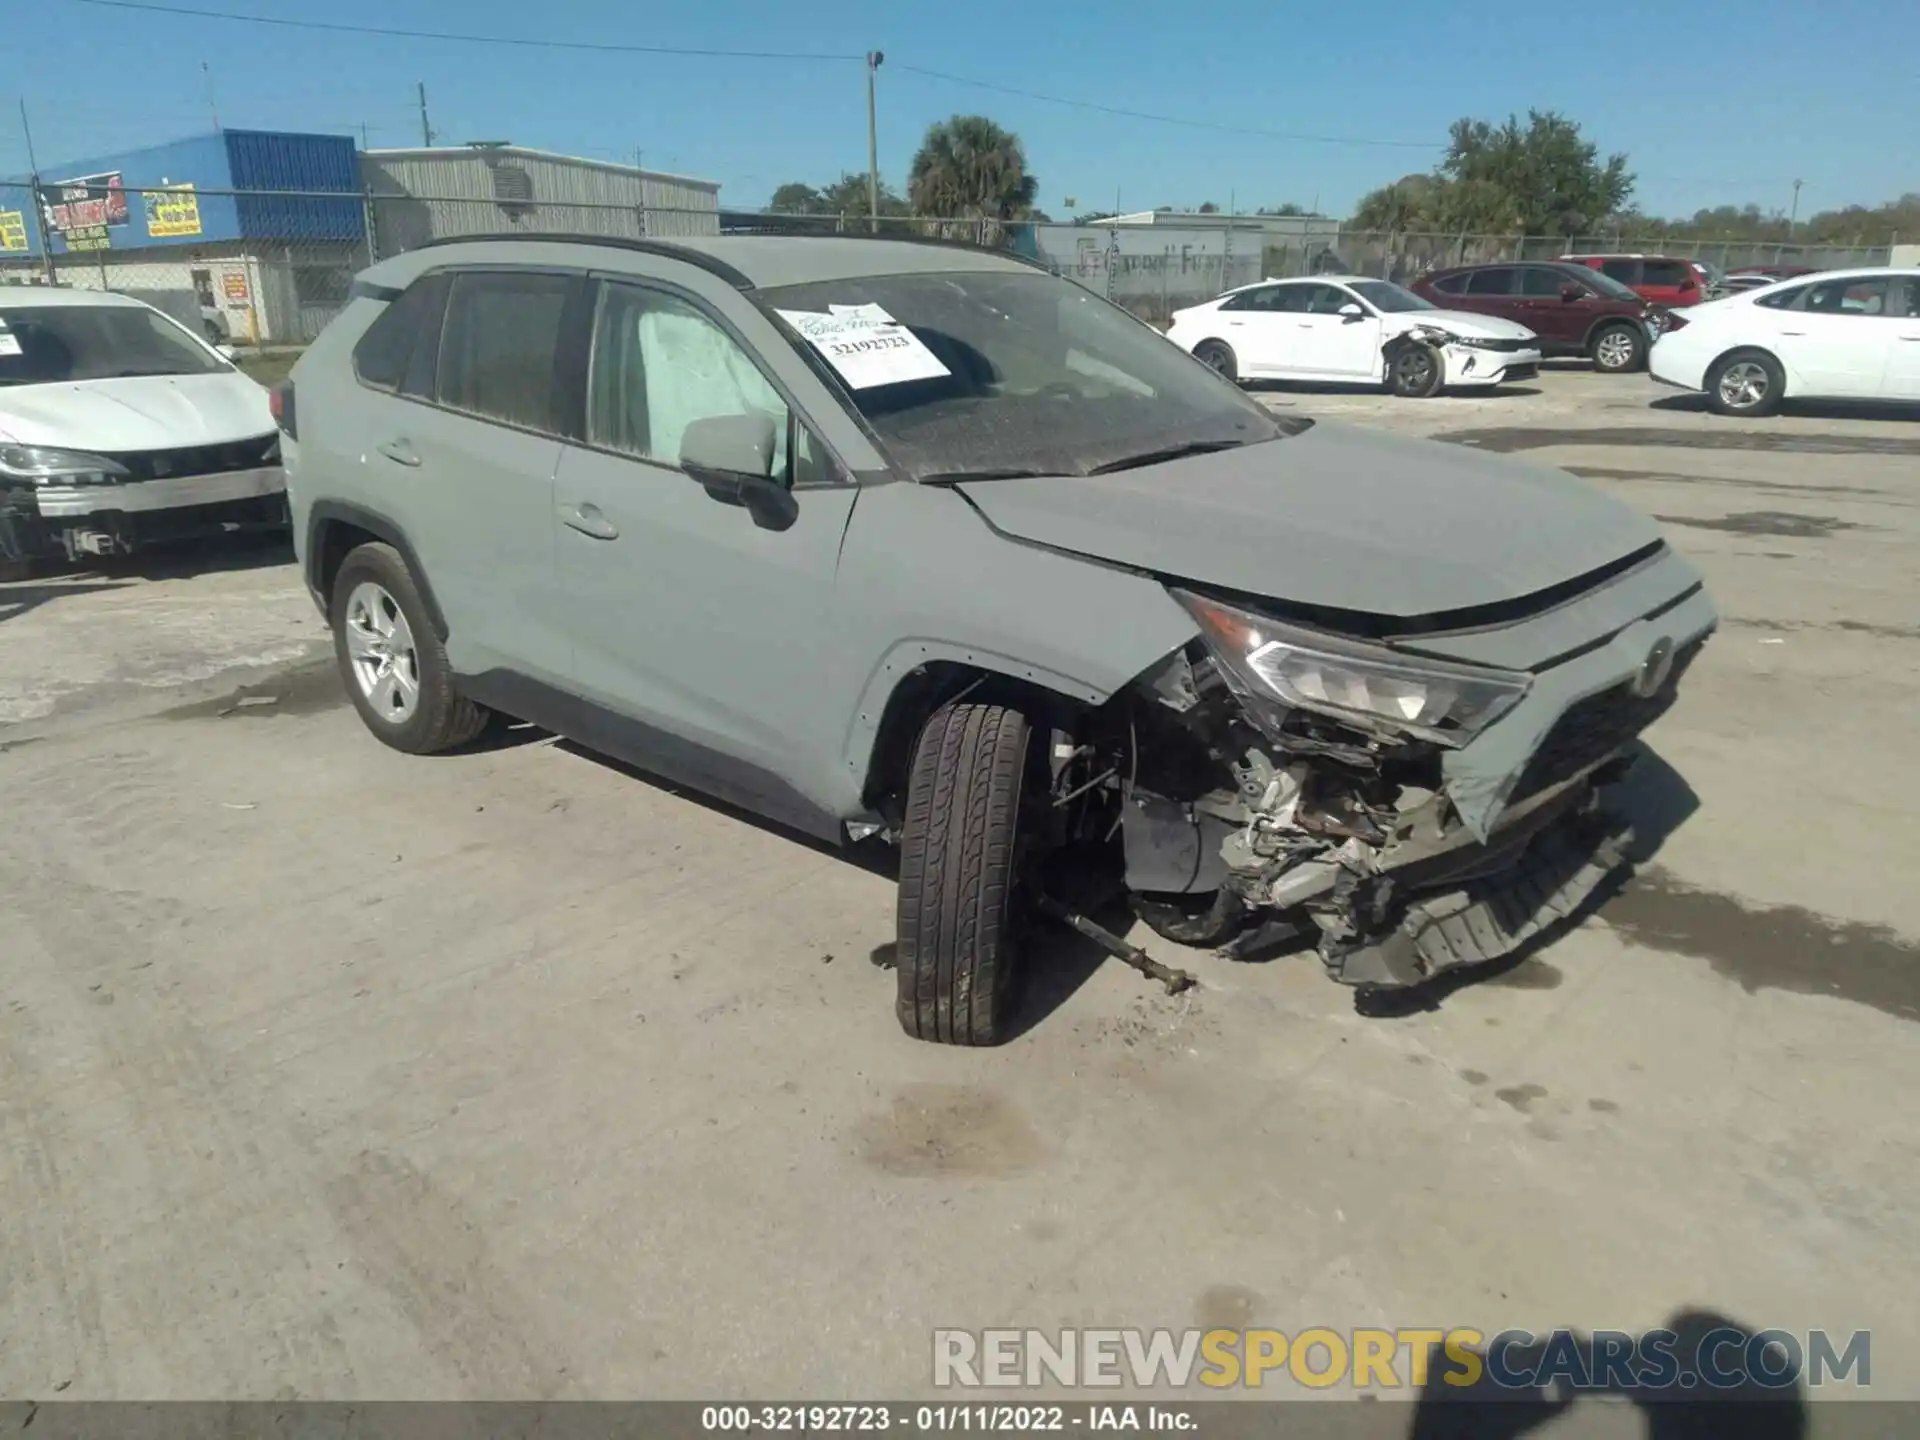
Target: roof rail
{"points": [[664, 248], [900, 240]]}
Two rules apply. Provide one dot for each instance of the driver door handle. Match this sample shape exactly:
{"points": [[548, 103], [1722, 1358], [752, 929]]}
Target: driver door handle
{"points": [[587, 519], [400, 451]]}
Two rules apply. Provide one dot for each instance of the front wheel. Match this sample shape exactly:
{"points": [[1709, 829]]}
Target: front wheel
{"points": [[1747, 382], [1217, 357], [958, 963], [1619, 348], [1417, 372]]}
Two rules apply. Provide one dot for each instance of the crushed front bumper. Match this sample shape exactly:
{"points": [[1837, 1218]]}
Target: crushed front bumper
{"points": [[68, 521]]}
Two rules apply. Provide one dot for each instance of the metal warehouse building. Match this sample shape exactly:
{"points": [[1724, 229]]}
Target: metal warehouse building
{"points": [[196, 227], [490, 189]]}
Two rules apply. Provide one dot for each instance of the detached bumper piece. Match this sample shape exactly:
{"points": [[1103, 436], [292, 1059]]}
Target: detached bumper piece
{"points": [[1488, 917]]}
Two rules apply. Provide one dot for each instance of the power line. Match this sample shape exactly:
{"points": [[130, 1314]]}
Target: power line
{"points": [[1160, 119], [391, 33]]}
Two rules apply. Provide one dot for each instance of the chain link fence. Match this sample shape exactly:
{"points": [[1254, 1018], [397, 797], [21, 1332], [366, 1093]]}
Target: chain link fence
{"points": [[269, 269]]}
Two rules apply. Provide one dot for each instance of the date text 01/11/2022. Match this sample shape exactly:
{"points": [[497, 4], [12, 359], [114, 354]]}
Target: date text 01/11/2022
{"points": [[939, 1419]]}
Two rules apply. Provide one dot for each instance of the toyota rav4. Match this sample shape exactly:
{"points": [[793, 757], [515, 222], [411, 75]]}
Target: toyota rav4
{"points": [[917, 541]]}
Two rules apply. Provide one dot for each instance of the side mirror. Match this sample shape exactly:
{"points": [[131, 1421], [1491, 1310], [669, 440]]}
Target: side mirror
{"points": [[1571, 291], [1351, 312], [732, 458]]}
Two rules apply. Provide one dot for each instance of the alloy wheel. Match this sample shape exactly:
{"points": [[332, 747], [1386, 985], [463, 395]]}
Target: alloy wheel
{"points": [[1615, 350], [380, 646], [1743, 385]]}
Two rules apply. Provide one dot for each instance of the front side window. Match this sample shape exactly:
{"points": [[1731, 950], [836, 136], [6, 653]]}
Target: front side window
{"points": [[1495, 280], [1848, 297], [61, 344], [1267, 297], [660, 363], [1451, 284], [1324, 299], [498, 348], [1004, 373], [1538, 283]]}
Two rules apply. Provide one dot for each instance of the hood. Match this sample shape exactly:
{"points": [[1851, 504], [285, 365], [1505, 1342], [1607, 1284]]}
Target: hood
{"points": [[1335, 516], [141, 412], [1491, 327]]}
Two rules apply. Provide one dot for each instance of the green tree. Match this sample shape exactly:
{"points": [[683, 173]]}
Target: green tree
{"points": [[1408, 204], [1286, 209], [846, 196], [969, 168], [1207, 207]]}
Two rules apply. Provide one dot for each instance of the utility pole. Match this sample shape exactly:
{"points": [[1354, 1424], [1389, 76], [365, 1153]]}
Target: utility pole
{"points": [[1794, 214], [426, 130], [364, 146], [212, 107], [874, 57], [39, 210]]}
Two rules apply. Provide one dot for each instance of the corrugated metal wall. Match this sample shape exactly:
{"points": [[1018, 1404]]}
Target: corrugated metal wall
{"points": [[265, 160], [426, 195]]}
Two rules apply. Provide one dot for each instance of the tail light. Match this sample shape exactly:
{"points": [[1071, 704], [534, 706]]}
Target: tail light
{"points": [[280, 406], [1674, 322]]}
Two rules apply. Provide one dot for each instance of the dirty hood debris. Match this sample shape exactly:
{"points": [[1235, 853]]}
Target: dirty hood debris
{"points": [[1334, 516]]}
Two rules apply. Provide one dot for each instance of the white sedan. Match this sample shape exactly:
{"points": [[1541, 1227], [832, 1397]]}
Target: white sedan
{"points": [[118, 425], [1350, 328], [1838, 335]]}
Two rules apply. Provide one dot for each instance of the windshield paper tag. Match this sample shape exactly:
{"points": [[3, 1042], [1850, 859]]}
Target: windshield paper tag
{"points": [[9, 342], [866, 345]]}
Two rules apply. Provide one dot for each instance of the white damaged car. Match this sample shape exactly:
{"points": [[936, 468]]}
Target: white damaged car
{"points": [[119, 426], [1348, 328]]}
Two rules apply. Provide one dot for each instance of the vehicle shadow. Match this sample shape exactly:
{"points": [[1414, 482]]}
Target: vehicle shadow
{"points": [[1652, 797], [1333, 387], [22, 597], [170, 560], [1699, 1375], [1689, 402]]}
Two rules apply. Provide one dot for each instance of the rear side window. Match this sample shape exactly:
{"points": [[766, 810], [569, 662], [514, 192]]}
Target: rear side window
{"points": [[1666, 272], [1451, 284], [499, 344], [1497, 280], [1788, 299], [1267, 297], [380, 359], [1627, 272]]}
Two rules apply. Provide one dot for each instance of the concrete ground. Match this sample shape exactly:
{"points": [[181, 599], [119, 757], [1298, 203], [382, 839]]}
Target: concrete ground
{"points": [[333, 1073]]}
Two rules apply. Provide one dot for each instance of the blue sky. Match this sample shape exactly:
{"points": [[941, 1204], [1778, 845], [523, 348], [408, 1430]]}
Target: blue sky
{"points": [[1720, 103]]}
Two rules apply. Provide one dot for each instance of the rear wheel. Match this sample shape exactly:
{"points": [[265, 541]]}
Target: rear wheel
{"points": [[394, 665], [958, 962], [1747, 382], [1618, 348], [1216, 356]]}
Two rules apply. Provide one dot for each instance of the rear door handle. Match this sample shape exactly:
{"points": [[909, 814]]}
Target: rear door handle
{"points": [[1797, 334], [587, 519], [400, 451]]}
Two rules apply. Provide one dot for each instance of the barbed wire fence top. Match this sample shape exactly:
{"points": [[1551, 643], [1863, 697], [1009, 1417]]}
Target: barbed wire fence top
{"points": [[272, 267]]}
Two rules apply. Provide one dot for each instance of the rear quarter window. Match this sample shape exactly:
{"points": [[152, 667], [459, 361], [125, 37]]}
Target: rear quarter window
{"points": [[381, 358]]}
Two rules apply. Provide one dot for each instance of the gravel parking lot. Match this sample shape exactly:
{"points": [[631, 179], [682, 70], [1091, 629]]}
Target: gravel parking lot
{"points": [[333, 1073]]}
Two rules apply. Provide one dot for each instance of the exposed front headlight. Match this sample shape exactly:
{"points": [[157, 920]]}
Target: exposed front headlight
{"points": [[1351, 680], [37, 464]]}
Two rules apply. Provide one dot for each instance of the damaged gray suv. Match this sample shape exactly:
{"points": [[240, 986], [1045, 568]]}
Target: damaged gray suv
{"points": [[919, 541]]}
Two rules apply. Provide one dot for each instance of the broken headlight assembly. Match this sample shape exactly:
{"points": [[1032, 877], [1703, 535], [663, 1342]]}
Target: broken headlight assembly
{"points": [[1277, 667], [38, 464]]}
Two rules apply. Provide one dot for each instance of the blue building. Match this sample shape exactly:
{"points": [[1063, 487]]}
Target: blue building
{"points": [[259, 232]]}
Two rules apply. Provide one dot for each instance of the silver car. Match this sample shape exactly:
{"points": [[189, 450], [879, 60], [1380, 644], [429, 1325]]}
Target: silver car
{"points": [[918, 541]]}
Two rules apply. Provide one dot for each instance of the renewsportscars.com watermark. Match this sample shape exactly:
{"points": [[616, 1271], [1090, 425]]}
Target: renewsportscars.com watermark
{"points": [[1321, 1358]]}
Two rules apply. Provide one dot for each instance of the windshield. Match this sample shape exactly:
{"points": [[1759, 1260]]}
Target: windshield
{"points": [[58, 344], [994, 375], [1605, 284], [1386, 296]]}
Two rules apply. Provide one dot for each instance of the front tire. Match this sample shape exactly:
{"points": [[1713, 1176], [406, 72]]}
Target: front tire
{"points": [[958, 964], [1218, 357], [1417, 372], [394, 665], [1747, 382], [1619, 348]]}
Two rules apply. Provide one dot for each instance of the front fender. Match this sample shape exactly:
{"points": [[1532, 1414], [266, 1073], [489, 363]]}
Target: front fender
{"points": [[924, 579]]}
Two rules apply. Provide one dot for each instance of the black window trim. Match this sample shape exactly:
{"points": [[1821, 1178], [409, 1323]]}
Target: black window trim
{"points": [[842, 477]]}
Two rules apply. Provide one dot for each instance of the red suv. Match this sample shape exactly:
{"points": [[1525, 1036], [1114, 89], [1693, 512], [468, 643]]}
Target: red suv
{"points": [[1659, 278], [1574, 310]]}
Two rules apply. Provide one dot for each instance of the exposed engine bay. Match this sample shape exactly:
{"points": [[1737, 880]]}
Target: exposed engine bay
{"points": [[1274, 785]]}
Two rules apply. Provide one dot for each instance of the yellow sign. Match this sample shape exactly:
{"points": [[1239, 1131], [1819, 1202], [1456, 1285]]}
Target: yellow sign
{"points": [[172, 211], [13, 230]]}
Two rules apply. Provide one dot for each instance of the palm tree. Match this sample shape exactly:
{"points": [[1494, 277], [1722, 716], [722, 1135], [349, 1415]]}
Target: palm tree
{"points": [[968, 168]]}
